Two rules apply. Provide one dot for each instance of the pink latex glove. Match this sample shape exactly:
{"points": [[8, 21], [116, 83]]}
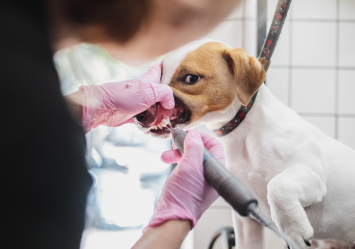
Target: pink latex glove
{"points": [[186, 194], [114, 104]]}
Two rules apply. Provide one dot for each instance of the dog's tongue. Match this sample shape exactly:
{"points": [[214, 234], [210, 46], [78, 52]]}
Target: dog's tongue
{"points": [[164, 113]]}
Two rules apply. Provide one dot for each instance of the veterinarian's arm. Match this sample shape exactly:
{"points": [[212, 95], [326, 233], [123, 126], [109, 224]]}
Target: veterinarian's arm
{"points": [[186, 194], [168, 235], [114, 104]]}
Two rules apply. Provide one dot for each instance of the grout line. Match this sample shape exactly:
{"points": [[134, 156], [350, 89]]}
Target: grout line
{"points": [[243, 24], [314, 67], [336, 92], [290, 25], [240, 19], [346, 21], [324, 115], [312, 20], [319, 20], [220, 207], [346, 115], [345, 68], [327, 115]]}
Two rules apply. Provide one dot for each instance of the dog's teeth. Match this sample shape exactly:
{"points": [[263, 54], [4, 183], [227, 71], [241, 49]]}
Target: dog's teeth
{"points": [[153, 127], [160, 127], [163, 122]]}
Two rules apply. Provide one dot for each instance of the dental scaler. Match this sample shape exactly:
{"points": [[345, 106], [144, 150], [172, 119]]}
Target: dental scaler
{"points": [[230, 187], [226, 184]]}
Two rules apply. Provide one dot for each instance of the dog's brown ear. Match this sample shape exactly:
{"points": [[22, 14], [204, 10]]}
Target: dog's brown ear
{"points": [[249, 74]]}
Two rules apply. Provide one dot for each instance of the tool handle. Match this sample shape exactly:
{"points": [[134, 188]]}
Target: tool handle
{"points": [[232, 190]]}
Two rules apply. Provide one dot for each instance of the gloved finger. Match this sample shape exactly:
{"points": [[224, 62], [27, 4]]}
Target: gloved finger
{"points": [[209, 141], [213, 145], [164, 94], [153, 74], [193, 145], [171, 156]]}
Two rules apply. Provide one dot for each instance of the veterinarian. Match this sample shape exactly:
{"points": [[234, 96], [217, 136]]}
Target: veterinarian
{"points": [[45, 181]]}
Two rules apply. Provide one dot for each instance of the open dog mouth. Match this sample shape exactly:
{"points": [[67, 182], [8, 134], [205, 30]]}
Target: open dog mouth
{"points": [[155, 119]]}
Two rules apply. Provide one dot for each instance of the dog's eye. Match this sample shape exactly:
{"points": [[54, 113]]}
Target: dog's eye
{"points": [[192, 78]]}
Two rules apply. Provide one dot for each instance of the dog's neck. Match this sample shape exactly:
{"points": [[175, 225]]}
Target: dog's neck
{"points": [[215, 120]]}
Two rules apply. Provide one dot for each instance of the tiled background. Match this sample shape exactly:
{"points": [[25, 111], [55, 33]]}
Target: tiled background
{"points": [[312, 71]]}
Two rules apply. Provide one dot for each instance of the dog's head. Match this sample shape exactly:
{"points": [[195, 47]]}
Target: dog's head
{"points": [[206, 77]]}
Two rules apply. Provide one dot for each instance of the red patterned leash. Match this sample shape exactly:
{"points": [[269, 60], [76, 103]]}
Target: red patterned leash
{"points": [[264, 58], [274, 32]]}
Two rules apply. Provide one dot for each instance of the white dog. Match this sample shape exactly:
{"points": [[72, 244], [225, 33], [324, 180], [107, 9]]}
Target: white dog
{"points": [[303, 179]]}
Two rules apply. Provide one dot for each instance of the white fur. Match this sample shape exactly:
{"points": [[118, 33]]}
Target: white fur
{"points": [[303, 179]]}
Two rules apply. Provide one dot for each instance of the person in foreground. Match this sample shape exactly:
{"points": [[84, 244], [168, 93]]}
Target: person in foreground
{"points": [[46, 184]]}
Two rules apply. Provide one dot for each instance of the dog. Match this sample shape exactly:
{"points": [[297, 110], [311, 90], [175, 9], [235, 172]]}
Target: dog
{"points": [[303, 179]]}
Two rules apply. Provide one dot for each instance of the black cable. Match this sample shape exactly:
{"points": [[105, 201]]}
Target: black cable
{"points": [[227, 238]]}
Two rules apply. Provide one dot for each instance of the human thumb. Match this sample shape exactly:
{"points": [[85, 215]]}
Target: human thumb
{"points": [[171, 156], [193, 146], [164, 94]]}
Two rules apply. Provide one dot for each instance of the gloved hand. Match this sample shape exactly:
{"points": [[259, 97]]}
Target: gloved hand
{"points": [[186, 194], [114, 104]]}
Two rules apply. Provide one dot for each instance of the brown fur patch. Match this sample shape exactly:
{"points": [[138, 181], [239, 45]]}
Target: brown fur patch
{"points": [[249, 74], [224, 74]]}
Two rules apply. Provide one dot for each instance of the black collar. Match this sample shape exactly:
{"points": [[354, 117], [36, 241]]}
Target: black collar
{"points": [[237, 119], [264, 58]]}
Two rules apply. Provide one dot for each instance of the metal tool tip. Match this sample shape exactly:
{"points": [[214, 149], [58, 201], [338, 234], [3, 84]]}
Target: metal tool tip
{"points": [[169, 127]]}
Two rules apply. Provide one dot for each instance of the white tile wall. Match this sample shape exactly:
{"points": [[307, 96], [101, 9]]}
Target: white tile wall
{"points": [[249, 39], [313, 91], [325, 124], [347, 44], [320, 64], [346, 92], [346, 11], [314, 9], [347, 130], [229, 32], [277, 81], [250, 9], [313, 44]]}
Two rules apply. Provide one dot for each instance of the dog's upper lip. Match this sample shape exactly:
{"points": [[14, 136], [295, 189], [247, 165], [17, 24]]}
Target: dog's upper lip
{"points": [[185, 116]]}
